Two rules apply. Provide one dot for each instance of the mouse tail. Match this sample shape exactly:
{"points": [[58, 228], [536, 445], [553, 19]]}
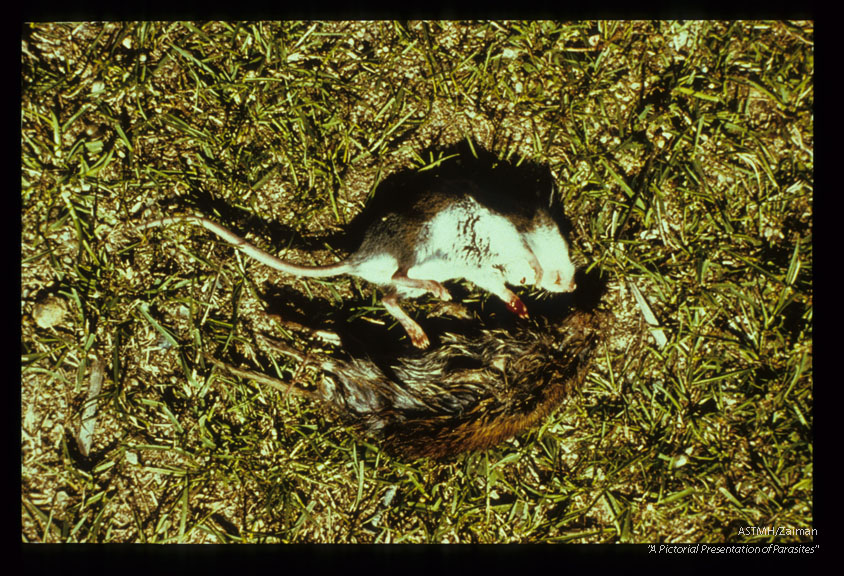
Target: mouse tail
{"points": [[253, 251]]}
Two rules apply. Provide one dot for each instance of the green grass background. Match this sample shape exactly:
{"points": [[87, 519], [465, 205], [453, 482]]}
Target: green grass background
{"points": [[683, 154]]}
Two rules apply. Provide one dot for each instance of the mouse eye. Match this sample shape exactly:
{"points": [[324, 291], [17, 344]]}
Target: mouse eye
{"points": [[524, 280]]}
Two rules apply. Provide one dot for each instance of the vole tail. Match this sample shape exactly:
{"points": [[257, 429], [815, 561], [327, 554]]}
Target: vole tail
{"points": [[253, 251]]}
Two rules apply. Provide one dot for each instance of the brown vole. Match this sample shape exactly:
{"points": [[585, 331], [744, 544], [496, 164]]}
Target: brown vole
{"points": [[452, 229], [473, 391]]}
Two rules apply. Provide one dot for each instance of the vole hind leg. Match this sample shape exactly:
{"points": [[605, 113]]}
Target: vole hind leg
{"points": [[402, 280], [414, 330]]}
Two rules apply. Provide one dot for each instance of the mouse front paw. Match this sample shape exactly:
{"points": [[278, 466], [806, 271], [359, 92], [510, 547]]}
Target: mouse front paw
{"points": [[517, 307]]}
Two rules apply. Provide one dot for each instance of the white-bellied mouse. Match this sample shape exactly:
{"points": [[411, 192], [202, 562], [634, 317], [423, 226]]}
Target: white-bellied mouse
{"points": [[453, 229]]}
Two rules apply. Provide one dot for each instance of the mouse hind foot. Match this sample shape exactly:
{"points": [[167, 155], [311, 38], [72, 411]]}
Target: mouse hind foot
{"points": [[414, 331]]}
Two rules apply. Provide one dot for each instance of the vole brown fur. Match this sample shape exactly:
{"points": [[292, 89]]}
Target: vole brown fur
{"points": [[478, 388]]}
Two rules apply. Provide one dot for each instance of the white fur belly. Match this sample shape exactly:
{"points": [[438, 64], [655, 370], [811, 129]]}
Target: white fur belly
{"points": [[378, 269], [466, 236]]}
